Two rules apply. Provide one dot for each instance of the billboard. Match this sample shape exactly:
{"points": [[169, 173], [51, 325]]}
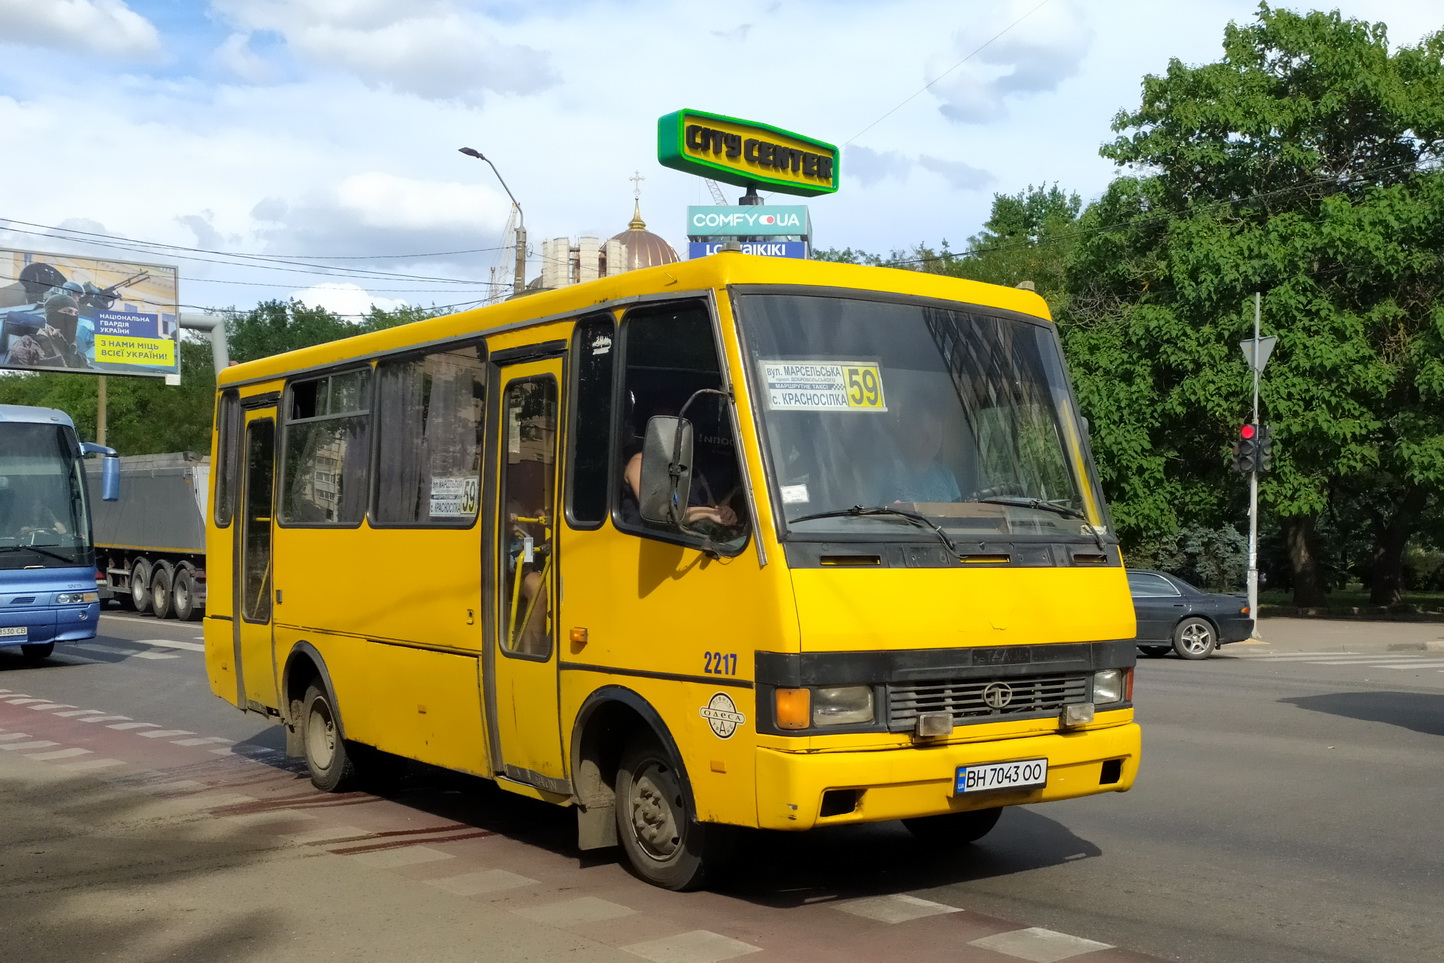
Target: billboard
{"points": [[757, 220], [745, 153], [88, 316], [797, 249]]}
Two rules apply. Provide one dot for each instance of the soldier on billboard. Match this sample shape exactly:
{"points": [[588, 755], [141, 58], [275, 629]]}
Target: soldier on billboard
{"points": [[34, 285], [52, 345]]}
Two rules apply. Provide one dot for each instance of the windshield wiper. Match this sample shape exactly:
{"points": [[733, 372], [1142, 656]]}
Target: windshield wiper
{"points": [[1067, 511], [39, 551], [857, 511]]}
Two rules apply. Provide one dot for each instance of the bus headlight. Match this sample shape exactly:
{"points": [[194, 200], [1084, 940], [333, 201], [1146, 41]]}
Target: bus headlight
{"points": [[1108, 686], [842, 705], [76, 598]]}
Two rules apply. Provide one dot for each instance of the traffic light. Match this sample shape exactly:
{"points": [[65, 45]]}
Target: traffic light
{"points": [[1265, 448], [1246, 450]]}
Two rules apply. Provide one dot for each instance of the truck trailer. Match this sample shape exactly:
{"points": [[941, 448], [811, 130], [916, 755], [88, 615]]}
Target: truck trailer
{"points": [[151, 544]]}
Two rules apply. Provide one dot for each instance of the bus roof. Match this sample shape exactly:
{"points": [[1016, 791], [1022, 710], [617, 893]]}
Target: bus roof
{"points": [[24, 414], [683, 277]]}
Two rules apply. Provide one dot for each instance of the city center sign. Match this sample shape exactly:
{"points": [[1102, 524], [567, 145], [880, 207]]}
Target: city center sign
{"points": [[746, 154]]}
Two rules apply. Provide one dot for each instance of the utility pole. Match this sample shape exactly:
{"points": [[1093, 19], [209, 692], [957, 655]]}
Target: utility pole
{"points": [[520, 283], [1253, 481]]}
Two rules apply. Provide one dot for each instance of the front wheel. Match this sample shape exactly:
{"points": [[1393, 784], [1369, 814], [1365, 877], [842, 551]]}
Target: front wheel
{"points": [[38, 652], [1194, 639], [953, 829], [329, 763], [663, 843]]}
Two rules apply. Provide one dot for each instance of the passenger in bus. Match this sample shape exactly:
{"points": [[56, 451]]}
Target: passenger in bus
{"points": [[714, 476], [915, 474]]}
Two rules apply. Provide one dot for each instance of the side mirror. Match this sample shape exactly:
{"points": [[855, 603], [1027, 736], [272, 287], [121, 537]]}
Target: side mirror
{"points": [[109, 469], [666, 469], [110, 478]]}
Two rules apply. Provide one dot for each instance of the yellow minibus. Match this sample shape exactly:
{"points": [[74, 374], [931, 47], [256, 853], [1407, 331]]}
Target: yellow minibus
{"points": [[736, 542]]}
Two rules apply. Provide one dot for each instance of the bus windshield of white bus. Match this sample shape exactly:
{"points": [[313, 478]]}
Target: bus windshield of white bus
{"points": [[876, 410], [42, 498]]}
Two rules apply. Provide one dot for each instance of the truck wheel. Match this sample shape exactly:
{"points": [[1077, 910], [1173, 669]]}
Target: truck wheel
{"points": [[953, 829], [140, 586], [161, 602], [326, 757], [184, 594], [663, 843], [37, 653]]}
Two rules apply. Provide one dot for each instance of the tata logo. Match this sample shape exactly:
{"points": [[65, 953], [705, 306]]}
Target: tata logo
{"points": [[997, 695]]}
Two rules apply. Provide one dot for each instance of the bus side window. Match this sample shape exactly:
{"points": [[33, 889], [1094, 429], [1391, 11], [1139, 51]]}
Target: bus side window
{"points": [[589, 482], [430, 420], [670, 356]]}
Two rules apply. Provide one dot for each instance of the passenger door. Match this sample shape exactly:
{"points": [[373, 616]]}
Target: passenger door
{"points": [[253, 590], [522, 697]]}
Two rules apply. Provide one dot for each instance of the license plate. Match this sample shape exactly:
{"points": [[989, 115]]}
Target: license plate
{"points": [[13, 631], [1023, 774]]}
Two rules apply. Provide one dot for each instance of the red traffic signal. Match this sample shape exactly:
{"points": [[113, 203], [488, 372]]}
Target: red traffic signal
{"points": [[1247, 432]]}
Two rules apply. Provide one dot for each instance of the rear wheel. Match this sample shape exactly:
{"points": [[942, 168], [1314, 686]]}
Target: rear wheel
{"points": [[37, 652], [329, 763], [140, 586], [954, 829], [1194, 639], [183, 592], [161, 601], [663, 843]]}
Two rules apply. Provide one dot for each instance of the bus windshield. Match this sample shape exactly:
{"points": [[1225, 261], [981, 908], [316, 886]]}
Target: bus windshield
{"points": [[880, 411], [42, 498]]}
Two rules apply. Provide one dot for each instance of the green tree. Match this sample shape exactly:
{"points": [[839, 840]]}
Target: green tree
{"points": [[1303, 165]]}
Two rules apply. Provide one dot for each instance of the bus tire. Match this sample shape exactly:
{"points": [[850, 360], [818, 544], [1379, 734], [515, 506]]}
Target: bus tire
{"points": [[37, 652], [140, 586], [663, 844], [162, 603], [183, 591], [953, 829], [330, 765]]}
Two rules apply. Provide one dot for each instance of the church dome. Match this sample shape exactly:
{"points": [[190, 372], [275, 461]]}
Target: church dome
{"points": [[640, 247]]}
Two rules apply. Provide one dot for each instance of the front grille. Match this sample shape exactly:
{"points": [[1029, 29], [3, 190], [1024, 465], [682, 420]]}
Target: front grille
{"points": [[968, 700]]}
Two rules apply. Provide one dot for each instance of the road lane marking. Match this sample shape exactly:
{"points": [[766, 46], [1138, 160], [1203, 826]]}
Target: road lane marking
{"points": [[898, 908], [101, 718], [59, 754], [1039, 945], [201, 741], [571, 912], [12, 736], [126, 726], [485, 881], [172, 644], [162, 733], [698, 946], [37, 744], [86, 765]]}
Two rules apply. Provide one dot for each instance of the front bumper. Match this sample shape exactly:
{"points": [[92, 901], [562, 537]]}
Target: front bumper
{"points": [[900, 783], [59, 623]]}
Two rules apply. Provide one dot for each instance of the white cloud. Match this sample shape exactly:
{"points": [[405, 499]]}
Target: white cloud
{"points": [[1039, 48], [236, 56], [432, 48], [347, 300], [107, 27]]}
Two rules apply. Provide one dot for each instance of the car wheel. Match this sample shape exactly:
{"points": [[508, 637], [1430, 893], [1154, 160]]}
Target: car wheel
{"points": [[37, 652], [1194, 638], [1155, 651]]}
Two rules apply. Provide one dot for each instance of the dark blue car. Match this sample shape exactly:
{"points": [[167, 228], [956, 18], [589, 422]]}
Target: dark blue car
{"points": [[1173, 614]]}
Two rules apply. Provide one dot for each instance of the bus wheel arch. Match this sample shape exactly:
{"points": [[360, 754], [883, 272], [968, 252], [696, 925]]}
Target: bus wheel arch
{"points": [[632, 789], [304, 667]]}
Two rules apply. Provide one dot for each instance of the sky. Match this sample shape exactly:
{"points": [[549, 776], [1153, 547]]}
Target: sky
{"points": [[308, 149]]}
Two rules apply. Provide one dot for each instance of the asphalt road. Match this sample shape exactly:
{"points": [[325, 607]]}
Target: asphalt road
{"points": [[1288, 810]]}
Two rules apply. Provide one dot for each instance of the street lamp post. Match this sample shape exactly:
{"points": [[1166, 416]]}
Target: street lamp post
{"points": [[520, 285]]}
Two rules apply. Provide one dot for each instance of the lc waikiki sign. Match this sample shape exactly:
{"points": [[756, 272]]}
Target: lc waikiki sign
{"points": [[746, 154]]}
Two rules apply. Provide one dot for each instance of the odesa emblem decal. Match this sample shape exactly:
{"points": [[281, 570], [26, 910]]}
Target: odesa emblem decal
{"points": [[722, 715]]}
